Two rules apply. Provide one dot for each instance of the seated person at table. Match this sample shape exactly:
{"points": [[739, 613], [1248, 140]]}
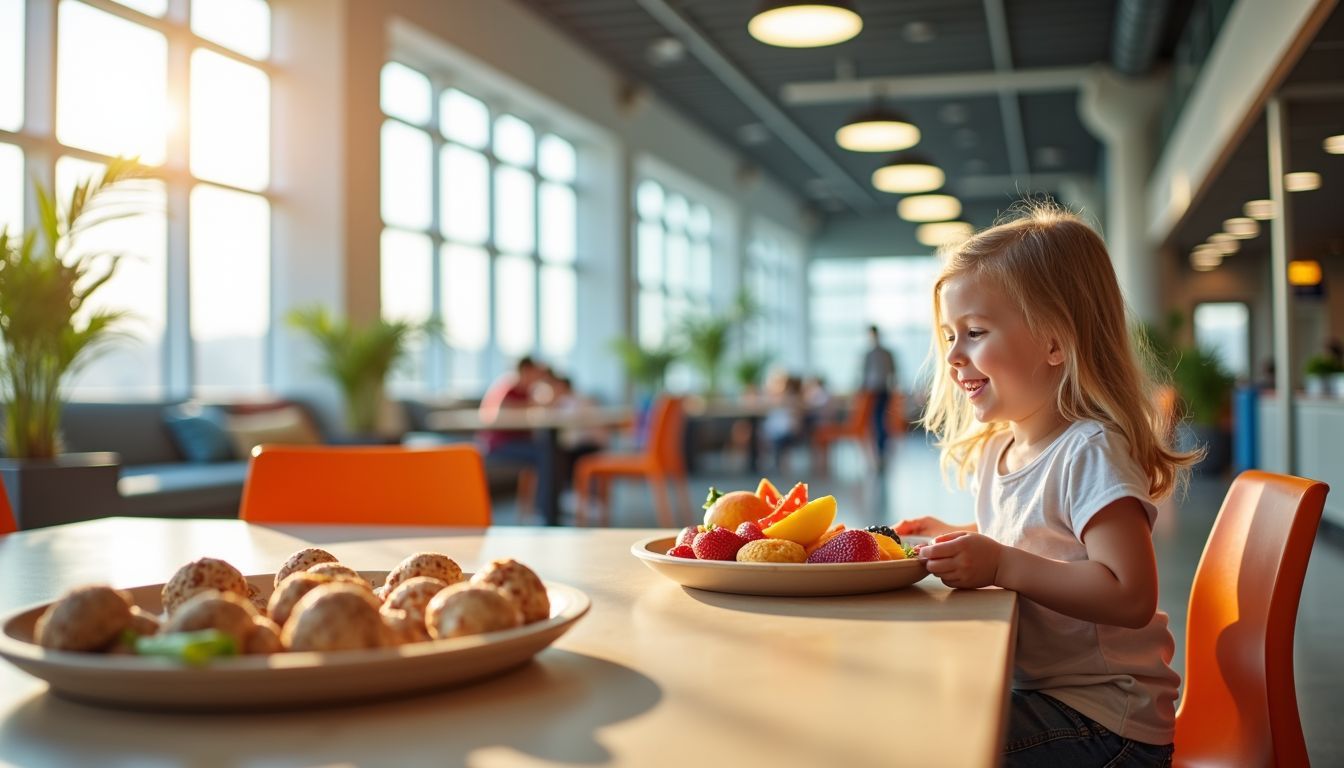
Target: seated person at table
{"points": [[1041, 406], [783, 423], [512, 390]]}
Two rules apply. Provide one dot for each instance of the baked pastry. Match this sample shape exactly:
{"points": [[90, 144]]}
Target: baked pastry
{"points": [[341, 573], [468, 609], [265, 637], [431, 564], [772, 551], [85, 619], [407, 605], [519, 584], [302, 561], [199, 576], [337, 616], [225, 611], [287, 595]]}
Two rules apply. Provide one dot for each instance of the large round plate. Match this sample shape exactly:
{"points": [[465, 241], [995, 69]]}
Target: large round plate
{"points": [[778, 579], [283, 680]]}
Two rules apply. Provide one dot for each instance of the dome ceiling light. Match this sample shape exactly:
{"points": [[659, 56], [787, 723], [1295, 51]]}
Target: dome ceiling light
{"points": [[1334, 144], [877, 130], [809, 24], [1301, 181], [927, 208], [943, 233], [908, 175], [1242, 227], [1225, 243], [1260, 210]]}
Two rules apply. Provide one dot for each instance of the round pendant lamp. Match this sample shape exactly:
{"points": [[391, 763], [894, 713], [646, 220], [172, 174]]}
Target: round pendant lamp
{"points": [[926, 208], [908, 175], [940, 233], [877, 130], [806, 24]]}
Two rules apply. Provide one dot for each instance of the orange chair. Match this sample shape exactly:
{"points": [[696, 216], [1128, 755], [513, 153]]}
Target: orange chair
{"points": [[857, 427], [660, 463], [7, 524], [366, 485], [1240, 705]]}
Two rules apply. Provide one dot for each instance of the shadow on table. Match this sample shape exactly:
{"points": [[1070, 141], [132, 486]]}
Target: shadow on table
{"points": [[551, 708], [926, 600]]}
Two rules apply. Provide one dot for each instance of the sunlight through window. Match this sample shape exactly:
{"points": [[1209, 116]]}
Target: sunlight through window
{"points": [[139, 284], [230, 121], [407, 283], [112, 74], [239, 25], [464, 198], [405, 93], [147, 7], [407, 176], [466, 299], [464, 119], [515, 142], [11, 64], [514, 208], [230, 288], [515, 304], [11, 188], [558, 311], [558, 219]]}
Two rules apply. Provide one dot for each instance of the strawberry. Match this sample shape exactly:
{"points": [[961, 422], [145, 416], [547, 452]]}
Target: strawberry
{"points": [[749, 531], [682, 550], [717, 544], [687, 535], [852, 546]]}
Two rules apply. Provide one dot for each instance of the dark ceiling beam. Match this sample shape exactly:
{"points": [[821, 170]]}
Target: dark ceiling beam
{"points": [[1000, 48], [1039, 80], [857, 196], [1138, 33]]}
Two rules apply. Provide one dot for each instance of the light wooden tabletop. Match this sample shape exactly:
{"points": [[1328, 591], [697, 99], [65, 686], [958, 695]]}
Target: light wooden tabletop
{"points": [[654, 675]]}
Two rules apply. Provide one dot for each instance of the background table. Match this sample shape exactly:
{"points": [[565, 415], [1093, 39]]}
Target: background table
{"points": [[654, 675]]}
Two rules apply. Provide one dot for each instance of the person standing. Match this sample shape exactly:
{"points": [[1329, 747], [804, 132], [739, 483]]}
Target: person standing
{"points": [[878, 378]]}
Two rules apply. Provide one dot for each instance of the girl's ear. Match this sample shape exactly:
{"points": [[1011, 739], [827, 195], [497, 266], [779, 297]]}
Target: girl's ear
{"points": [[1055, 353]]}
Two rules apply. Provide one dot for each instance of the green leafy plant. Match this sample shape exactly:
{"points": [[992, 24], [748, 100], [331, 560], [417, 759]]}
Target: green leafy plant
{"points": [[358, 358], [43, 289], [1323, 365], [1198, 373], [706, 337], [647, 368], [748, 370]]}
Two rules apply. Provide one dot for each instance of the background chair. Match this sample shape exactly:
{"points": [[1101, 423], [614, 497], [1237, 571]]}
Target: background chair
{"points": [[1240, 704], [857, 426], [366, 485], [661, 463], [7, 523]]}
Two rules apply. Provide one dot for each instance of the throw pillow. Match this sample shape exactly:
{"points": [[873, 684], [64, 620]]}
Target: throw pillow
{"points": [[284, 426], [199, 432]]}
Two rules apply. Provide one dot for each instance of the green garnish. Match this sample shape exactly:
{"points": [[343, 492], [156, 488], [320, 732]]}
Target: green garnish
{"points": [[714, 494], [194, 648]]}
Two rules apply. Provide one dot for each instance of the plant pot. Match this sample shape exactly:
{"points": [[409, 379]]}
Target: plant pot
{"points": [[67, 489], [1315, 385], [1336, 387]]}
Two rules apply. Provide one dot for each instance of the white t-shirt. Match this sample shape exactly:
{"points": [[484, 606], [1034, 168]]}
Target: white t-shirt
{"points": [[1117, 676]]}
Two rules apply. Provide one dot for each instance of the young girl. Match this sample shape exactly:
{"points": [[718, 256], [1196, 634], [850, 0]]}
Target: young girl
{"points": [[1044, 406]]}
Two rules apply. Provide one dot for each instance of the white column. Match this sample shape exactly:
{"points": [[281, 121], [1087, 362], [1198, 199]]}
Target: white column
{"points": [[1119, 111], [1280, 245]]}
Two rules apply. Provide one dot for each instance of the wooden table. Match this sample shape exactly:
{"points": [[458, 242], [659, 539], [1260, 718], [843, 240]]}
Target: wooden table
{"points": [[545, 424], [654, 675]]}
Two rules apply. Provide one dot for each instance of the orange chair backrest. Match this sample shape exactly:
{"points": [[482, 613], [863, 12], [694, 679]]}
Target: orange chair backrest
{"points": [[666, 430], [366, 485], [1240, 705], [861, 415], [7, 523]]}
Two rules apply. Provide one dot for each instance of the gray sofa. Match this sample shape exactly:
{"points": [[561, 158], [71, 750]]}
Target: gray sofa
{"points": [[156, 479]]}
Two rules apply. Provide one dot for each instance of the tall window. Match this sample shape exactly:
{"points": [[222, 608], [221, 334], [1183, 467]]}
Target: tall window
{"points": [[774, 279], [1225, 327], [673, 260], [116, 95], [485, 239], [848, 295]]}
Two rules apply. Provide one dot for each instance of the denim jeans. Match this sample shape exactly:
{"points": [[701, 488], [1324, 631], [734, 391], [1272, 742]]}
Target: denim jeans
{"points": [[1047, 733]]}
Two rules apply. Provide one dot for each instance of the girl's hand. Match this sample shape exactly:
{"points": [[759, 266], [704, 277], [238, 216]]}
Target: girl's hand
{"points": [[963, 560], [923, 526]]}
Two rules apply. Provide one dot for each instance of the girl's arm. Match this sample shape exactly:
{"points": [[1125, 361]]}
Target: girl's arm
{"points": [[1116, 584], [930, 526]]}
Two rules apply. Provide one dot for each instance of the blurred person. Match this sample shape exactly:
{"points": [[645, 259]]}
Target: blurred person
{"points": [[515, 448], [783, 423], [878, 377]]}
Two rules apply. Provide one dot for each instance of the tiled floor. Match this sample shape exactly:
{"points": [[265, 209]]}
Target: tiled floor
{"points": [[912, 487]]}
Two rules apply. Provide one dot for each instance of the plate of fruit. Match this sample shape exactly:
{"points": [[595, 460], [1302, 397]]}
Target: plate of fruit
{"points": [[768, 543]]}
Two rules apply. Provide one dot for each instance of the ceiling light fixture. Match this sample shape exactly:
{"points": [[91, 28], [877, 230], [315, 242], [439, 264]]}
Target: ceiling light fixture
{"points": [[1334, 144], [942, 233], [1205, 257], [1242, 227], [926, 208], [808, 24], [1301, 181], [877, 130], [1225, 243], [1261, 210], [908, 175]]}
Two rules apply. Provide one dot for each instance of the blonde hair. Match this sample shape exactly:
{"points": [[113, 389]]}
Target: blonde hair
{"points": [[1056, 270]]}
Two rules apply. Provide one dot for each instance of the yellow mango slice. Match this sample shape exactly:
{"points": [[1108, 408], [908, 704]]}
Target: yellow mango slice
{"points": [[890, 549], [807, 524]]}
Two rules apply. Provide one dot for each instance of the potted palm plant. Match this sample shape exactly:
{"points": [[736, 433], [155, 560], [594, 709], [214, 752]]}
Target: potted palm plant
{"points": [[46, 335], [705, 338], [358, 358]]}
